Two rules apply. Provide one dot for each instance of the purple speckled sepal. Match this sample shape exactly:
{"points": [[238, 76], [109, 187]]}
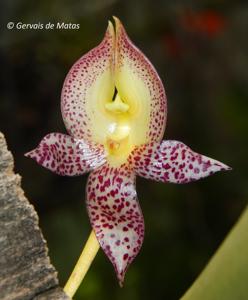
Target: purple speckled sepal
{"points": [[173, 161], [65, 155]]}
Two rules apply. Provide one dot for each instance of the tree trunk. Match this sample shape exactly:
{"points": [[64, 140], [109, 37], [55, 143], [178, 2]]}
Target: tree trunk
{"points": [[25, 269]]}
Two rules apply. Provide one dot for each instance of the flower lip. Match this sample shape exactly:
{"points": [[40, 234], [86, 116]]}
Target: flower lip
{"points": [[115, 215]]}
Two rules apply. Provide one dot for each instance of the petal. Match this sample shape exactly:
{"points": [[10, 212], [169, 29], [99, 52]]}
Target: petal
{"points": [[64, 155], [141, 88], [87, 87], [173, 161], [115, 215]]}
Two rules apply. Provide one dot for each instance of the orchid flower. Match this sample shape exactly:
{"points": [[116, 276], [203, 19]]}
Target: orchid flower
{"points": [[114, 108]]}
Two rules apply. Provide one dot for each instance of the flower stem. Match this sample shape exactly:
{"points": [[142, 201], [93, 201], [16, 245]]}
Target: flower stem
{"points": [[87, 256]]}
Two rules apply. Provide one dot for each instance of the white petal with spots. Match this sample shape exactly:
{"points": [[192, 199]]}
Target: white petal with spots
{"points": [[173, 161], [65, 155]]}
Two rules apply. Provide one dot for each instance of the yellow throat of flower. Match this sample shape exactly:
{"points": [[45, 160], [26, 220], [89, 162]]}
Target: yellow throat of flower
{"points": [[118, 144]]}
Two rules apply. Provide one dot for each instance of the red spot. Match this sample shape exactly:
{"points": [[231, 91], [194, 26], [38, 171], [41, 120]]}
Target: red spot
{"points": [[176, 175], [181, 166], [174, 157], [166, 166], [125, 256], [196, 171], [183, 154], [93, 195], [206, 166], [119, 180], [107, 183], [100, 178]]}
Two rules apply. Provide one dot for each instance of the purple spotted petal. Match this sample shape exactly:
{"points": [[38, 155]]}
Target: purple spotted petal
{"points": [[115, 215], [173, 161], [87, 87], [64, 155]]}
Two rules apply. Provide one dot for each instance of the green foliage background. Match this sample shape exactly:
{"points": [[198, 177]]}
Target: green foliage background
{"points": [[225, 276], [200, 51]]}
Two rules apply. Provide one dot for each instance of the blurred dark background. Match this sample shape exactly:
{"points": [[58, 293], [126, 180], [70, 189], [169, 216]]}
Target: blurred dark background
{"points": [[200, 51]]}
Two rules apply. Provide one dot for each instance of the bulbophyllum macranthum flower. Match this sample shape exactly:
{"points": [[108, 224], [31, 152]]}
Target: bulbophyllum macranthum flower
{"points": [[114, 108]]}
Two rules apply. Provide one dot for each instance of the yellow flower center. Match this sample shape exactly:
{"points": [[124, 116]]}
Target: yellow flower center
{"points": [[118, 144], [120, 124]]}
